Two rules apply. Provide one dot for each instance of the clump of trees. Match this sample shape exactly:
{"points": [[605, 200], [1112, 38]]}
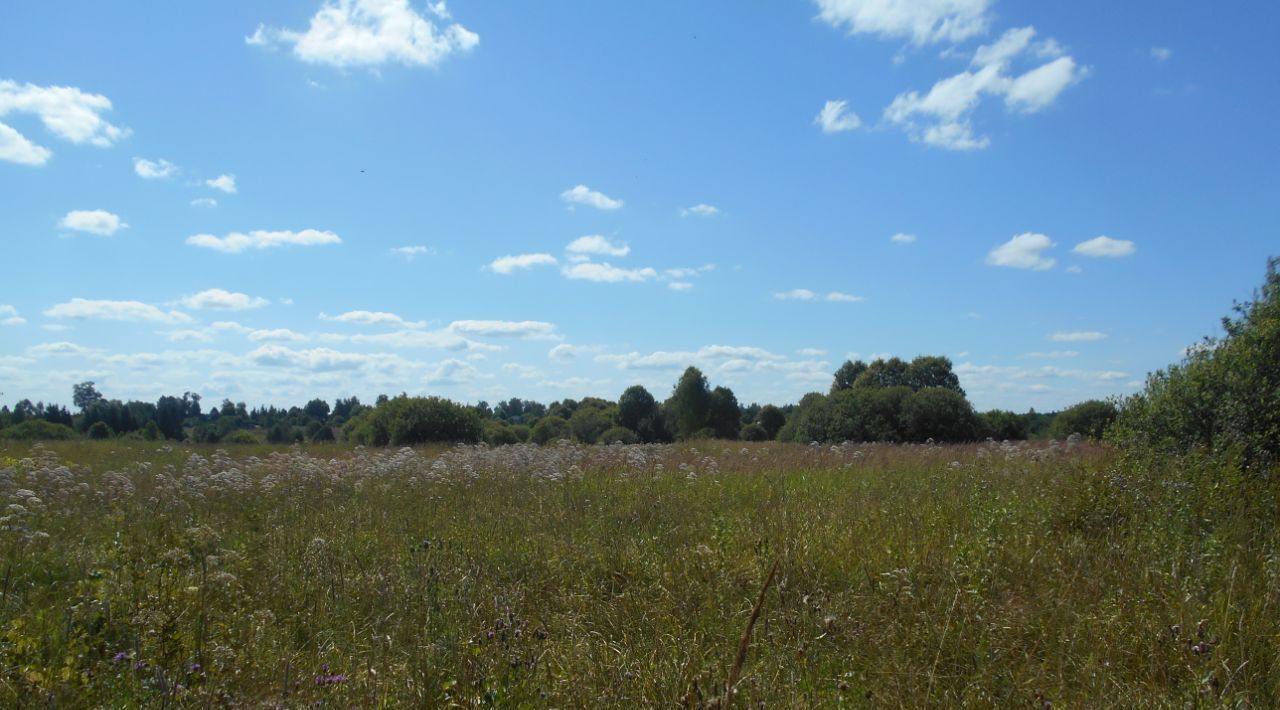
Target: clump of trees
{"points": [[1224, 397]]}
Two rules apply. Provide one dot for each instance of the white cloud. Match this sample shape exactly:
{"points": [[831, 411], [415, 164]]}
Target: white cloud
{"points": [[237, 242], [798, 294], [410, 252], [369, 33], [1077, 336], [1025, 251], [504, 328], [204, 202], [154, 170], [945, 110], [59, 348], [81, 309], [226, 183], [583, 195], [687, 273], [316, 359], [65, 111], [374, 318], [9, 316], [15, 148], [1056, 354], [98, 222], [903, 238], [277, 335], [804, 294], [606, 273], [700, 210], [923, 21], [1161, 54], [811, 352], [596, 244], [679, 285], [509, 263], [835, 118], [189, 336], [730, 357], [839, 297], [221, 300], [1074, 269], [455, 372], [1105, 247], [565, 351]]}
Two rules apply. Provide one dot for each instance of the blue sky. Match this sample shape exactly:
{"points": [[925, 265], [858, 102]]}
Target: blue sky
{"points": [[319, 197]]}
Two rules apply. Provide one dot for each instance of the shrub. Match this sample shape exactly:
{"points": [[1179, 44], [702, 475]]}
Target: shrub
{"points": [[1004, 426], [548, 429], [1089, 419], [99, 430], [497, 433], [405, 421], [941, 414], [37, 429], [753, 432], [240, 436], [619, 435]]}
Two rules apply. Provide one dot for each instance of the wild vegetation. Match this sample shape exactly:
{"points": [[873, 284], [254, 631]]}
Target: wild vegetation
{"points": [[1140, 572]]}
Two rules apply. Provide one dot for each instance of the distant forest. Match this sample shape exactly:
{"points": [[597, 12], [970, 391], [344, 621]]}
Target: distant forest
{"points": [[887, 401]]}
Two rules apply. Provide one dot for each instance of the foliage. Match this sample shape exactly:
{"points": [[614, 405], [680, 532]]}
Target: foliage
{"points": [[405, 421], [619, 435], [940, 414], [753, 432], [1003, 425], [847, 374], [589, 421], [550, 429], [1225, 396], [99, 430], [1089, 419], [37, 430], [771, 420], [242, 437], [690, 404], [723, 413], [639, 412]]}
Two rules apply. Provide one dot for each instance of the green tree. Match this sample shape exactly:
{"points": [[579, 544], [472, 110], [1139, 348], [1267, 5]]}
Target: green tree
{"points": [[771, 419], [941, 414], [619, 435], [550, 428], [317, 409], [690, 404], [588, 422], [884, 373], [1089, 419], [723, 413], [639, 412], [83, 395], [99, 430], [1005, 426], [847, 374], [928, 371]]}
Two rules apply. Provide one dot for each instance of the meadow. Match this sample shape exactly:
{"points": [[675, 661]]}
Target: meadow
{"points": [[1043, 574]]}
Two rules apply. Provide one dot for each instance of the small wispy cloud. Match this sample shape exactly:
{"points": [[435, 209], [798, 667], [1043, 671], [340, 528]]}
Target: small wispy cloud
{"points": [[598, 245], [1105, 247], [409, 253], [225, 183], [903, 238], [511, 263], [154, 169], [699, 210], [1077, 336], [583, 195], [1025, 251], [836, 118]]}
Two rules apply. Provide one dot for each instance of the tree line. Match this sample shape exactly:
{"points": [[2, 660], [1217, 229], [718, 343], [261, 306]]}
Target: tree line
{"points": [[888, 400]]}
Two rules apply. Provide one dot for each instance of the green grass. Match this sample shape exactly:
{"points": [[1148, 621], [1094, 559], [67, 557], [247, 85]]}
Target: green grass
{"points": [[624, 576]]}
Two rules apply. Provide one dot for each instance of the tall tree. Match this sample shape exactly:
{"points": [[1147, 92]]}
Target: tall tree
{"points": [[84, 395], [723, 413], [847, 374], [690, 403]]}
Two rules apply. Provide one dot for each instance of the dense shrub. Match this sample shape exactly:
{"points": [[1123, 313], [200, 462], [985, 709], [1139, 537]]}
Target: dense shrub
{"points": [[405, 421], [241, 437], [99, 430], [1089, 419], [941, 414], [1003, 425], [619, 435], [499, 433], [753, 432], [549, 429], [1225, 396], [37, 429]]}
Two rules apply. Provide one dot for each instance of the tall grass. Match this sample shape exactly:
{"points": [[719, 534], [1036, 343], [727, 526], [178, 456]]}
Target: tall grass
{"points": [[135, 574]]}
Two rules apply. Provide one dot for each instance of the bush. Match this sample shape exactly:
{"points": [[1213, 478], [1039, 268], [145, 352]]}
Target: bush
{"points": [[151, 432], [548, 429], [99, 431], [1004, 426], [619, 435], [240, 436], [37, 430], [1225, 396], [405, 421], [941, 414], [497, 433], [753, 432], [1089, 419], [588, 423], [521, 432]]}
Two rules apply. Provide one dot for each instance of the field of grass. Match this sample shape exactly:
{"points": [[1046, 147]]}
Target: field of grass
{"points": [[1012, 575]]}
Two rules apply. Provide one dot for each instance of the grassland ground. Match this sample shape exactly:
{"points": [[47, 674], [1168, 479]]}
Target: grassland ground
{"points": [[137, 574]]}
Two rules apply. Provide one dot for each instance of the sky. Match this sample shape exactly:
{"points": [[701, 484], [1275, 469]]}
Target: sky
{"points": [[270, 202]]}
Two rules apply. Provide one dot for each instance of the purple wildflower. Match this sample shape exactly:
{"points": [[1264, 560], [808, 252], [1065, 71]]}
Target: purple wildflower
{"points": [[120, 657], [330, 679]]}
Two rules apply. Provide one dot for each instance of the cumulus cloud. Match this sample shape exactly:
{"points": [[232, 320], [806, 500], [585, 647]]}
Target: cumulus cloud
{"points": [[84, 309], [1105, 247], [370, 33], [607, 273], [222, 300], [154, 169], [596, 244], [237, 242], [583, 195], [730, 357], [836, 118], [9, 315], [1025, 251], [565, 351], [98, 222], [504, 328], [921, 21], [942, 117], [410, 252], [455, 372], [903, 238], [700, 210], [374, 318], [225, 183], [1077, 336], [510, 263], [65, 111]]}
